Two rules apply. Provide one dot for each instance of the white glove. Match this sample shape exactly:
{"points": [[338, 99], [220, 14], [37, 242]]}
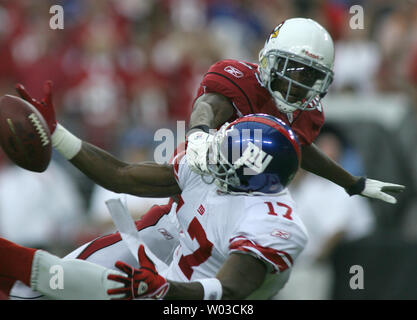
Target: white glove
{"points": [[376, 189], [198, 144]]}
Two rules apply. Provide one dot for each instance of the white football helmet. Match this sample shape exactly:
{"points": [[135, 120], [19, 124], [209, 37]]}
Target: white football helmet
{"points": [[296, 64]]}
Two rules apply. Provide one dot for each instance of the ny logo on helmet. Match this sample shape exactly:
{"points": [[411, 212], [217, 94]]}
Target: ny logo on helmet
{"points": [[255, 159]]}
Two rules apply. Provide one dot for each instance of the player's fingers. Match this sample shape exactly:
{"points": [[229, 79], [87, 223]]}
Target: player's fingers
{"points": [[124, 267], [47, 87], [23, 93], [115, 291], [144, 261], [393, 187], [117, 294], [387, 198], [119, 278]]}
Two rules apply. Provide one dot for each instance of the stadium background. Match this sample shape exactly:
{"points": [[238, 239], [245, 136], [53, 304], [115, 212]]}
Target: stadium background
{"points": [[123, 69]]}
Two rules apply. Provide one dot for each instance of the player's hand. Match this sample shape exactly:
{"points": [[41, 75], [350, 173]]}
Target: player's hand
{"points": [[144, 282], [45, 106], [198, 144], [375, 189]]}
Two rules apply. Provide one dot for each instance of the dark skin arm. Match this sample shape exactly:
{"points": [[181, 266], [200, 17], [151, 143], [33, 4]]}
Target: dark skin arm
{"points": [[141, 179], [240, 275], [214, 109], [317, 162], [146, 179]]}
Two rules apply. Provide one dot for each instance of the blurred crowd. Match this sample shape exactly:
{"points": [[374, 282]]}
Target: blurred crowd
{"points": [[118, 64], [123, 69]]}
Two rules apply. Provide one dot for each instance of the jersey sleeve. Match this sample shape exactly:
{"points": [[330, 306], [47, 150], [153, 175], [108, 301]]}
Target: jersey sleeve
{"points": [[271, 238], [227, 78]]}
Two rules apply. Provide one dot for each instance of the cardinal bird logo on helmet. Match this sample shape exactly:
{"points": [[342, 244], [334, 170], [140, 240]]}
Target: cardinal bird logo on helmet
{"points": [[275, 32]]}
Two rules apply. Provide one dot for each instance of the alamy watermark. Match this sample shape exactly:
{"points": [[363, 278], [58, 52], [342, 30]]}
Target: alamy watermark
{"points": [[56, 282], [357, 19], [253, 159], [356, 282], [57, 20]]}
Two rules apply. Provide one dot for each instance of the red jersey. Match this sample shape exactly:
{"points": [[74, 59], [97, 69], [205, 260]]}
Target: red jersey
{"points": [[240, 82]]}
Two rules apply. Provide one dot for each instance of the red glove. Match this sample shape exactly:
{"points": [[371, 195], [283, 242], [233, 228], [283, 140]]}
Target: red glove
{"points": [[45, 106], [144, 282]]}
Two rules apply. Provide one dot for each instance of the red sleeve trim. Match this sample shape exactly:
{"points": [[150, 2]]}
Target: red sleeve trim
{"points": [[279, 259]]}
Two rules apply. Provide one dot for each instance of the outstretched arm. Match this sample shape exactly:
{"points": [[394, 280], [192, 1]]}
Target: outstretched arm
{"points": [[141, 179], [146, 179], [315, 161]]}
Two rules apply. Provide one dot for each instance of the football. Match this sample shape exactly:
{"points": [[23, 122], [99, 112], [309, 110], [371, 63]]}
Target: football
{"points": [[24, 135]]}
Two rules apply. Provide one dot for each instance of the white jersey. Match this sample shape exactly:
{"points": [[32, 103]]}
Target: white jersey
{"points": [[213, 225]]}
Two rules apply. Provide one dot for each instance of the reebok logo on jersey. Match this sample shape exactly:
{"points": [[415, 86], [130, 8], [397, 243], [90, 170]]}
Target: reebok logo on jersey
{"points": [[280, 234], [234, 72], [165, 233], [201, 209]]}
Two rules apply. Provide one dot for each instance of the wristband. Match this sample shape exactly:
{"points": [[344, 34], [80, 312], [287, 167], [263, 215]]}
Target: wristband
{"points": [[212, 288], [202, 127], [357, 187], [65, 142]]}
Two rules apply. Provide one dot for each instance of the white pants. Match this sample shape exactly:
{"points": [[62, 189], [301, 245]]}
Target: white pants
{"points": [[158, 230]]}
